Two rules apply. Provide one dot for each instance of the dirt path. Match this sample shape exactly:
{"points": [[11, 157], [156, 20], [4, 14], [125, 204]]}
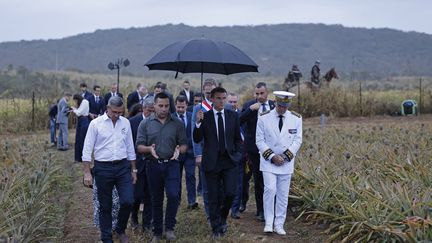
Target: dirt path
{"points": [[79, 218], [191, 225]]}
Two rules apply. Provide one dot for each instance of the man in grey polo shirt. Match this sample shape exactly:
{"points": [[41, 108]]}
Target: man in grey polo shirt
{"points": [[161, 138]]}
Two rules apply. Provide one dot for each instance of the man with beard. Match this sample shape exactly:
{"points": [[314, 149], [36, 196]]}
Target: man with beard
{"points": [[248, 119], [161, 139]]}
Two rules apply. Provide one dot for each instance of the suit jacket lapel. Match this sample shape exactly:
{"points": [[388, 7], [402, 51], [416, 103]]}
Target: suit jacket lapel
{"points": [[213, 123]]}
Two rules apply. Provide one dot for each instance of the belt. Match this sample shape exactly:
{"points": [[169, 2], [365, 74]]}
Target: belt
{"points": [[112, 161], [161, 161]]}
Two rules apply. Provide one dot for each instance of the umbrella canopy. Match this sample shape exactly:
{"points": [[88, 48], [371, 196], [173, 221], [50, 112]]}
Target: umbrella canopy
{"points": [[202, 56]]}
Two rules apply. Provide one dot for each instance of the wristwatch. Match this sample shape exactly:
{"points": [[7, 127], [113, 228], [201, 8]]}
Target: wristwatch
{"points": [[134, 170]]}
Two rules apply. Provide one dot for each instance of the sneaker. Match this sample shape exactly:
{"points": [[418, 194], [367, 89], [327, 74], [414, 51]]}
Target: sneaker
{"points": [[155, 239], [170, 236], [268, 229], [280, 231]]}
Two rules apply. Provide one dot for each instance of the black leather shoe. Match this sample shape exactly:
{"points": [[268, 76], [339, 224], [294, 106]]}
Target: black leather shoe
{"points": [[260, 217], [193, 206], [235, 215], [242, 208], [216, 236], [134, 223], [223, 228]]}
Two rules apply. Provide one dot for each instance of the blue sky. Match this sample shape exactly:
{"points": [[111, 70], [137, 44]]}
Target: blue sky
{"points": [[53, 19]]}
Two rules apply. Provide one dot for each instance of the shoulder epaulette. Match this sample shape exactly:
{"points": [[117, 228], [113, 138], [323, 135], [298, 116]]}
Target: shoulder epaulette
{"points": [[296, 114], [265, 112]]}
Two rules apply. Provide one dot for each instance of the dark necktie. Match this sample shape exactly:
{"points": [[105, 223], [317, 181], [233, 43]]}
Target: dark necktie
{"points": [[142, 101], [280, 122], [221, 134], [183, 120], [97, 100], [264, 108]]}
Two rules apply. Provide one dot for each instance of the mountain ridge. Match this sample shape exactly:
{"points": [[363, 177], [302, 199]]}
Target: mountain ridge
{"points": [[362, 52]]}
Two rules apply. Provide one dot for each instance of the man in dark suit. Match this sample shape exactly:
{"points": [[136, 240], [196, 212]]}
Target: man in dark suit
{"points": [[222, 150], [112, 93], [141, 187], [84, 92], [187, 160], [138, 96], [187, 92], [197, 98], [249, 116], [97, 103]]}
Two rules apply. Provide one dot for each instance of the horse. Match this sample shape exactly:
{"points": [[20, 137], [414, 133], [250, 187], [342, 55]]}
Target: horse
{"points": [[290, 81], [327, 77]]}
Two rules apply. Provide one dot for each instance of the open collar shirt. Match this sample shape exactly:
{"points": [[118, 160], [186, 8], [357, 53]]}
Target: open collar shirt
{"points": [[109, 142]]}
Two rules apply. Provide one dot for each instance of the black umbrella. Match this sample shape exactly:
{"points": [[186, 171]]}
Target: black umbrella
{"points": [[202, 56]]}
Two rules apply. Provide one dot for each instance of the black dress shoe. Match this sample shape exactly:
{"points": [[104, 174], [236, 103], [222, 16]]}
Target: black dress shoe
{"points": [[216, 235], [242, 208], [193, 206], [235, 215], [260, 217], [223, 228], [134, 223]]}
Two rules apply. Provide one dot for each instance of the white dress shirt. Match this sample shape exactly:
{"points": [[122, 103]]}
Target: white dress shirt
{"points": [[83, 109], [216, 117], [261, 107], [109, 142], [187, 93]]}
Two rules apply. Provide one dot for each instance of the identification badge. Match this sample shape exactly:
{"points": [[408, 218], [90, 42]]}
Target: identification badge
{"points": [[292, 131]]}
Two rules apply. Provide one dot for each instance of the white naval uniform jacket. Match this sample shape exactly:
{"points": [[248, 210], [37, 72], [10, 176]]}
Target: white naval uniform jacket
{"points": [[269, 136]]}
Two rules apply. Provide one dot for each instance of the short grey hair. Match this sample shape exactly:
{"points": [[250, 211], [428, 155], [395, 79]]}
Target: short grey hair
{"points": [[115, 101], [148, 102]]}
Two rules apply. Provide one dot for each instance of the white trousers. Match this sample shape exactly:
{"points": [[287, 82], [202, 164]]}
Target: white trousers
{"points": [[276, 187]]}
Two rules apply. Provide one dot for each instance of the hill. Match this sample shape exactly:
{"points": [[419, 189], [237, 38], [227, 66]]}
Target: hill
{"points": [[369, 53]]}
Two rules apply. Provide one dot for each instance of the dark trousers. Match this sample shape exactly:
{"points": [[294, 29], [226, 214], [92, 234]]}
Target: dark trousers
{"points": [[164, 176], [199, 186], [258, 181], [239, 188], [247, 174], [188, 163], [221, 186], [107, 175], [53, 130], [81, 131], [142, 195]]}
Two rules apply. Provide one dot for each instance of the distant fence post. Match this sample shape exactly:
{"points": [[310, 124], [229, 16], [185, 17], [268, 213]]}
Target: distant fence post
{"points": [[33, 111], [420, 97], [298, 96], [360, 94]]}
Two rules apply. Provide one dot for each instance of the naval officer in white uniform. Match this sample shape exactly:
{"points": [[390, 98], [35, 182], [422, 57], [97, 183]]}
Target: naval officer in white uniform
{"points": [[278, 138]]}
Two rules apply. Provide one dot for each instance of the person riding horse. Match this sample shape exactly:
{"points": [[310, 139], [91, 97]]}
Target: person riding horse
{"points": [[315, 73], [293, 77]]}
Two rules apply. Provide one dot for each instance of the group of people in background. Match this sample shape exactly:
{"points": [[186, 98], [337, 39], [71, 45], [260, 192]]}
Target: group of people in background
{"points": [[140, 160]]}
